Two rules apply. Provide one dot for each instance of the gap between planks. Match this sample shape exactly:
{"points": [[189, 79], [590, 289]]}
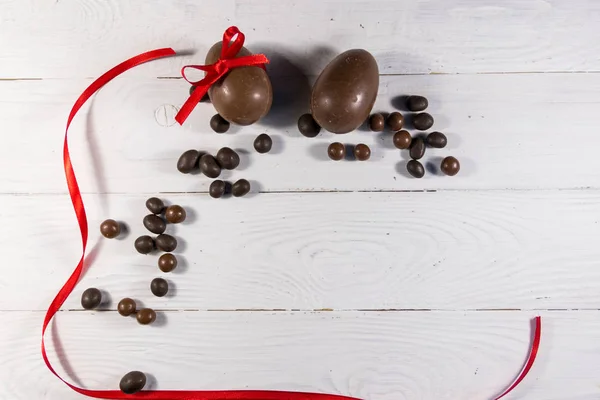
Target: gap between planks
{"points": [[317, 310]]}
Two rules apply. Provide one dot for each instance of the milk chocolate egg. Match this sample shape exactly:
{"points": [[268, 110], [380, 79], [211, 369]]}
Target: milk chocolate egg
{"points": [[244, 95], [345, 92]]}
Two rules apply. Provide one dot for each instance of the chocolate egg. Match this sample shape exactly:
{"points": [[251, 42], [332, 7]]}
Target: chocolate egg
{"points": [[345, 92], [244, 95]]}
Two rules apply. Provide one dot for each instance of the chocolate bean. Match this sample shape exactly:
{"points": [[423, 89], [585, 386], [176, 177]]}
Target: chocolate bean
{"points": [[209, 166], [167, 262], [204, 98], [416, 103], [219, 124], [132, 382], [110, 229], [415, 168], [188, 161], [145, 316], [377, 122], [437, 140], [402, 140], [159, 287], [308, 126], [91, 298], [240, 188], [395, 121], [336, 151], [228, 158], [166, 243], [417, 149], [263, 143], [217, 189], [175, 214], [155, 205], [422, 121], [126, 307], [144, 244], [154, 223], [362, 152], [450, 166]]}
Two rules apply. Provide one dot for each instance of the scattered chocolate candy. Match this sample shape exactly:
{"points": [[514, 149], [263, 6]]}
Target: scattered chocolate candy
{"points": [[395, 121], [175, 214], [154, 223], [126, 307], [240, 188], [188, 161], [336, 151], [166, 243], [110, 229], [91, 298], [402, 140], [263, 143], [437, 140], [228, 158], [415, 168], [209, 166], [144, 244], [159, 287], [132, 382], [417, 103], [145, 316], [417, 149], [377, 122], [422, 121], [362, 152], [450, 166], [308, 126], [155, 205], [203, 99], [219, 124], [217, 189], [167, 262]]}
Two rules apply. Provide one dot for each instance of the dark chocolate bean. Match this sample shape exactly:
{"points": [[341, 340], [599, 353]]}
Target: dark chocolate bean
{"points": [[204, 98], [159, 287], [263, 143], [209, 166], [377, 122], [188, 161], [166, 243], [395, 121], [167, 262], [132, 382], [422, 121], [219, 124], [450, 166], [155, 205], [415, 168], [144, 244], [228, 158], [126, 307], [175, 214], [145, 316], [402, 140], [240, 188], [110, 229], [154, 223], [308, 126], [417, 149], [336, 151], [91, 298], [437, 140], [416, 103], [217, 189], [362, 152]]}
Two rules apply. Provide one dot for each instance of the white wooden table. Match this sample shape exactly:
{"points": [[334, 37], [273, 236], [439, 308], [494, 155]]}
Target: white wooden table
{"points": [[347, 277]]}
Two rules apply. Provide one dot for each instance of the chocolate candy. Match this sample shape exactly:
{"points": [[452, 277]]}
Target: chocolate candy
{"points": [[217, 189], [159, 287], [336, 151], [110, 229], [437, 140], [167, 262], [91, 298], [308, 126], [188, 161], [155, 205], [166, 242], [415, 168], [240, 188], [345, 92], [416, 103], [203, 99], [417, 149], [175, 214], [243, 95], [377, 122], [362, 152], [209, 166], [402, 140], [144, 244], [263, 143], [228, 158], [126, 307], [145, 316], [450, 166], [395, 121], [154, 223], [422, 121], [219, 124], [132, 382]]}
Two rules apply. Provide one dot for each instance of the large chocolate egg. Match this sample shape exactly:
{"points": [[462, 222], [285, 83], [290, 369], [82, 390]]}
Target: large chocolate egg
{"points": [[345, 92], [244, 95]]}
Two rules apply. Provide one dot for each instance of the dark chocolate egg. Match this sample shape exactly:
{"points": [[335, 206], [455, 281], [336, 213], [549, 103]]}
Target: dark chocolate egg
{"points": [[345, 92], [244, 95]]}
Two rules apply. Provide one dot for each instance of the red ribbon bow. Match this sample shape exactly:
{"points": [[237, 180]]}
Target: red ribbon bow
{"points": [[216, 71]]}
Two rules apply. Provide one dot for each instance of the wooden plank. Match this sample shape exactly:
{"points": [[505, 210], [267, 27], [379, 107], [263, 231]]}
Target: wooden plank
{"points": [[444, 250], [43, 39], [509, 131]]}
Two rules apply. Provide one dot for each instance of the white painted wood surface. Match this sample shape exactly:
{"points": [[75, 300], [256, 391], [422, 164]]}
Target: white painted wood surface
{"points": [[514, 235]]}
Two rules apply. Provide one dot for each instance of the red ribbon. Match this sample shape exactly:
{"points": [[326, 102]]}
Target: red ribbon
{"points": [[216, 71]]}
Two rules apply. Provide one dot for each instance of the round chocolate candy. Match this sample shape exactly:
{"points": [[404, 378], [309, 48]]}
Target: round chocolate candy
{"points": [[110, 229], [422, 121], [167, 262], [159, 287], [126, 307], [336, 151], [188, 161], [91, 298], [144, 244], [417, 149], [145, 316], [308, 126], [437, 140], [219, 124], [415, 168], [228, 158], [416, 103], [217, 189], [209, 166], [240, 188], [166, 243], [175, 214], [362, 152], [155, 205], [450, 166], [263, 143], [377, 122], [395, 121], [132, 382], [203, 99], [154, 223], [402, 140]]}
